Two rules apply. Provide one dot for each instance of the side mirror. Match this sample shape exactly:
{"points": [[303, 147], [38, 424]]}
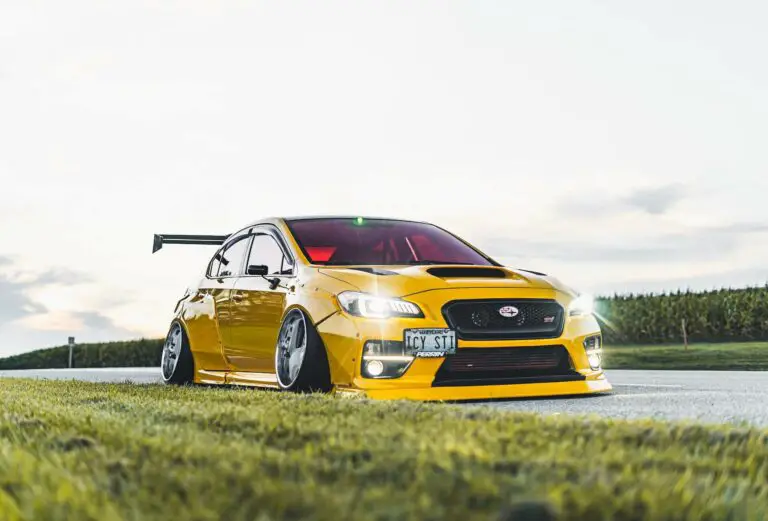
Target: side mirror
{"points": [[257, 269]]}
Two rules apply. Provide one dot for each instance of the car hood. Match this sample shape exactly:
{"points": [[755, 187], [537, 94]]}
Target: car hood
{"points": [[401, 281]]}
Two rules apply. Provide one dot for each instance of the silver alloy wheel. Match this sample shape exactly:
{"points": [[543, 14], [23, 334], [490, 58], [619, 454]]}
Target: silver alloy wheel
{"points": [[171, 352], [291, 348]]}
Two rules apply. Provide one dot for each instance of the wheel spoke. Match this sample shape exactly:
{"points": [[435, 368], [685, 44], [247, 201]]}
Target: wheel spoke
{"points": [[291, 350], [294, 364], [171, 352], [294, 337]]}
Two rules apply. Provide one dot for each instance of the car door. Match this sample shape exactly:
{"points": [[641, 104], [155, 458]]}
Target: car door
{"points": [[258, 303], [222, 275], [202, 318]]}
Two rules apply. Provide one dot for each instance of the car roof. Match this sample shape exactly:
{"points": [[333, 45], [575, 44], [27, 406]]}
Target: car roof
{"points": [[275, 220]]}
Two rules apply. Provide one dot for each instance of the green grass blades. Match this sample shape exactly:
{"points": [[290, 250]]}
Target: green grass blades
{"points": [[746, 356], [85, 451]]}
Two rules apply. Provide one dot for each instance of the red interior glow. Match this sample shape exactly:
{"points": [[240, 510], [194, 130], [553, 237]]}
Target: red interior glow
{"points": [[320, 253]]}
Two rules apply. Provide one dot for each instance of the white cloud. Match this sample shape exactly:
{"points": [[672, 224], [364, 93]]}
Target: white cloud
{"points": [[53, 321]]}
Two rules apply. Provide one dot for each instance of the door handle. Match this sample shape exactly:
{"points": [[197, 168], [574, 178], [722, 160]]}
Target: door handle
{"points": [[238, 297]]}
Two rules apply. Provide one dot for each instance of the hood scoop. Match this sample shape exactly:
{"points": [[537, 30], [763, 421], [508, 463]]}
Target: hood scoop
{"points": [[467, 272], [540, 274]]}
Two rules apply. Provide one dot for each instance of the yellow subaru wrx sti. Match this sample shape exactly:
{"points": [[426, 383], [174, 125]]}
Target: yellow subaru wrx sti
{"points": [[384, 307]]}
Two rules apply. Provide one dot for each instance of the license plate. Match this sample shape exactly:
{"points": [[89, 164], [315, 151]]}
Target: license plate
{"points": [[430, 342]]}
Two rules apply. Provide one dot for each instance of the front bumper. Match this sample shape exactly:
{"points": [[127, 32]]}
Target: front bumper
{"points": [[487, 392], [344, 337]]}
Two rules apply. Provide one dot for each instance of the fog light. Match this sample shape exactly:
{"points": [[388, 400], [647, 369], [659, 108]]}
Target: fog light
{"points": [[374, 367], [593, 345], [384, 359]]}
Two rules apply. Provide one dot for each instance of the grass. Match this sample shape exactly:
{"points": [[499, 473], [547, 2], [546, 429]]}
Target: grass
{"points": [[84, 451], [742, 356]]}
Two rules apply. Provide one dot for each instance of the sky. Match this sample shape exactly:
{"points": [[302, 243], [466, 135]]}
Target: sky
{"points": [[618, 145]]}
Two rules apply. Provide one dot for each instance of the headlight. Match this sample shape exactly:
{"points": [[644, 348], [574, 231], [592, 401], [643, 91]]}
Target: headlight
{"points": [[581, 305], [371, 306]]}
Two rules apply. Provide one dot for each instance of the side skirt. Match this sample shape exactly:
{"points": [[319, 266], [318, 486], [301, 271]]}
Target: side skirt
{"points": [[253, 379], [210, 377], [236, 378]]}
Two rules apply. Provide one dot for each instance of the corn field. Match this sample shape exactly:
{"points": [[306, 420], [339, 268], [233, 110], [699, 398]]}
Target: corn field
{"points": [[726, 315]]}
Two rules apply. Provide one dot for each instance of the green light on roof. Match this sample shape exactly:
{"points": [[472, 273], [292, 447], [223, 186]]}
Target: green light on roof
{"points": [[359, 221]]}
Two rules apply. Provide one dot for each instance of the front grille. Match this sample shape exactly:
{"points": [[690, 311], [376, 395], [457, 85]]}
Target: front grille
{"points": [[506, 365], [505, 319]]}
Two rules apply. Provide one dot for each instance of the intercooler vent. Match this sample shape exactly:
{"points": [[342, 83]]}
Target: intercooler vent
{"points": [[506, 365], [466, 272]]}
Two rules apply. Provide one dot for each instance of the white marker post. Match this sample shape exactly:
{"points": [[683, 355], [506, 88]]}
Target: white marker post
{"points": [[71, 349]]}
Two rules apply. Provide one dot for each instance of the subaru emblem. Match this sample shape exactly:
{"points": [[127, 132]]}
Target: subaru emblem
{"points": [[509, 311]]}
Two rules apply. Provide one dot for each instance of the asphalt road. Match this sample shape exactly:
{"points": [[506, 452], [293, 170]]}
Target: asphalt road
{"points": [[705, 396]]}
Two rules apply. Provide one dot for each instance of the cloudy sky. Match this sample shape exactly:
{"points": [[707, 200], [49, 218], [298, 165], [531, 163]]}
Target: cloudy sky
{"points": [[620, 145]]}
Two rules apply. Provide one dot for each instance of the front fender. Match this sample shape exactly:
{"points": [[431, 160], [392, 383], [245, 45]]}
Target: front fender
{"points": [[197, 314]]}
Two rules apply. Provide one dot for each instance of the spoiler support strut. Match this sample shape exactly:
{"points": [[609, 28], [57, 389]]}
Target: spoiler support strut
{"points": [[167, 238]]}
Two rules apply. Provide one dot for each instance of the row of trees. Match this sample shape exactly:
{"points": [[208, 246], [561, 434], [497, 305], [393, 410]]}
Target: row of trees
{"points": [[132, 353], [725, 315]]}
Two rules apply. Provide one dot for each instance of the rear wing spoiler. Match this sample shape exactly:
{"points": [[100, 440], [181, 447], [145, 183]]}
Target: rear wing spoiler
{"points": [[167, 238]]}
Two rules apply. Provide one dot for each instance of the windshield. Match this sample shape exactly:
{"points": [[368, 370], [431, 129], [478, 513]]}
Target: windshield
{"points": [[358, 241]]}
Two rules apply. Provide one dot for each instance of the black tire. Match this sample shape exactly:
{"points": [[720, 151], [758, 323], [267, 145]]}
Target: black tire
{"points": [[183, 370], [314, 374]]}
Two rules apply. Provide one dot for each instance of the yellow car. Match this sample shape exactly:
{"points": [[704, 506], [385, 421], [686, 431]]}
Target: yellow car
{"points": [[384, 307]]}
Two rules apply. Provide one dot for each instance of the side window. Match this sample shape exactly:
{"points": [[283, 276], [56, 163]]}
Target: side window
{"points": [[265, 251], [287, 266], [228, 262], [213, 269]]}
